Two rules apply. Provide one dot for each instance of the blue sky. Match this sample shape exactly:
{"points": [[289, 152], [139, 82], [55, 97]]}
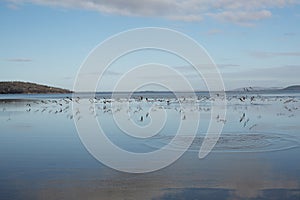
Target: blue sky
{"points": [[254, 43]]}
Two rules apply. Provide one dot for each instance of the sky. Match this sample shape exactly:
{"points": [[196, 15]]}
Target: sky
{"points": [[253, 42]]}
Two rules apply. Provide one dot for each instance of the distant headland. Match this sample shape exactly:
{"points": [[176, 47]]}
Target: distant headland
{"points": [[292, 88], [18, 87]]}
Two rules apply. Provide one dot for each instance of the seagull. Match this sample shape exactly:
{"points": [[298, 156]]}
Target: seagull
{"points": [[168, 102], [77, 100], [245, 123], [288, 101], [252, 126], [242, 98], [243, 117]]}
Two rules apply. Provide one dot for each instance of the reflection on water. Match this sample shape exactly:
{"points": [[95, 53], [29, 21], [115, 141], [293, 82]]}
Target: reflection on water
{"points": [[256, 157]]}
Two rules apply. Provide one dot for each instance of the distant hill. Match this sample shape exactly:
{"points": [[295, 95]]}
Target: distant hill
{"points": [[17, 87], [293, 87], [258, 89]]}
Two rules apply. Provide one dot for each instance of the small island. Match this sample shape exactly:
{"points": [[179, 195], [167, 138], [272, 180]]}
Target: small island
{"points": [[18, 87]]}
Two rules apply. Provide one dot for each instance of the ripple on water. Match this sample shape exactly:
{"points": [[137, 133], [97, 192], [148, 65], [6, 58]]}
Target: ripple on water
{"points": [[232, 142]]}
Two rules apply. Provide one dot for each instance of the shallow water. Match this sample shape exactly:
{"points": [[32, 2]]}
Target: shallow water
{"points": [[256, 157]]}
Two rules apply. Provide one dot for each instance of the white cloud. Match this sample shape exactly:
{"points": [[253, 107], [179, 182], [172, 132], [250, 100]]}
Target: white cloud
{"points": [[242, 17], [243, 12], [18, 60], [263, 54], [228, 65]]}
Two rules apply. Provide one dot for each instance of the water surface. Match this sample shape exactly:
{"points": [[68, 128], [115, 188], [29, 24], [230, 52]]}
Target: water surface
{"points": [[256, 157]]}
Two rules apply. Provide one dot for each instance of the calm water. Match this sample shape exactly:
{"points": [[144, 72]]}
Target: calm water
{"points": [[256, 157]]}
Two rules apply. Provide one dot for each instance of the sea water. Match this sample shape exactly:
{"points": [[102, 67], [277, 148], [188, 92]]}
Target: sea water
{"points": [[255, 157]]}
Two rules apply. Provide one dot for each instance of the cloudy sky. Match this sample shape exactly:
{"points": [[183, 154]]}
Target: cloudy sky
{"points": [[253, 42]]}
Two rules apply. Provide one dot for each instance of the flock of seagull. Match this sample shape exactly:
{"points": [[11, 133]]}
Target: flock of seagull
{"points": [[289, 105]]}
